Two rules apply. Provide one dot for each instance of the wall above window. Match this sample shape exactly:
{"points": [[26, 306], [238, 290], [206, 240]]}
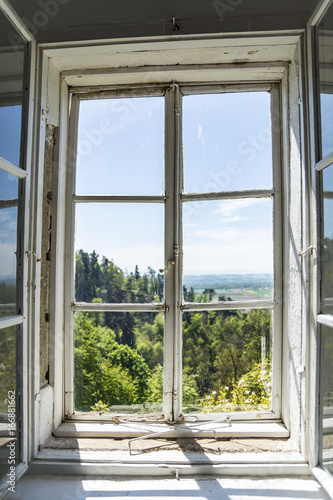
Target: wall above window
{"points": [[69, 20]]}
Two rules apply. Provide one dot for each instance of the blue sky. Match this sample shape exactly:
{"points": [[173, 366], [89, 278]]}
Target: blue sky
{"points": [[10, 138], [8, 225], [328, 202], [226, 145], [326, 109]]}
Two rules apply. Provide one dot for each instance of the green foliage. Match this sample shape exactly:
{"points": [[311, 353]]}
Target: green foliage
{"points": [[190, 389], [105, 280], [155, 385], [119, 356], [7, 294], [100, 407], [127, 358], [7, 365], [104, 369], [190, 395], [149, 341], [252, 391]]}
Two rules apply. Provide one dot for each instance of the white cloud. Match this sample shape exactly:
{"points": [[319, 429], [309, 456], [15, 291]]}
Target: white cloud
{"points": [[8, 260], [141, 255], [248, 251], [216, 234], [229, 208]]}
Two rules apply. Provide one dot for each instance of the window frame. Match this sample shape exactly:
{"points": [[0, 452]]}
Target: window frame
{"points": [[26, 250], [173, 198], [317, 165], [276, 58]]}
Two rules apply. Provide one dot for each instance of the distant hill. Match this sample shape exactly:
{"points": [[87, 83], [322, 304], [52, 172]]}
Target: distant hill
{"points": [[228, 281], [8, 281]]}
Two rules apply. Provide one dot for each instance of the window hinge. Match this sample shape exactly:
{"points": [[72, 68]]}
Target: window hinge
{"points": [[175, 26]]}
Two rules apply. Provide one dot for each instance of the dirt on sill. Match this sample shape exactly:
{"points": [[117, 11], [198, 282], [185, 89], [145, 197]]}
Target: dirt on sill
{"points": [[199, 445]]}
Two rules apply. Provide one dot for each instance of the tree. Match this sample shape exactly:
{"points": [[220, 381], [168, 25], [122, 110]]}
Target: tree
{"points": [[8, 365], [257, 329], [197, 351], [149, 341], [104, 369], [208, 292]]}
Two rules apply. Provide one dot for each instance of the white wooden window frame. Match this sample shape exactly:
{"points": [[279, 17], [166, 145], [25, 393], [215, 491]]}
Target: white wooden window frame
{"points": [[317, 165], [27, 256], [90, 67], [173, 200]]}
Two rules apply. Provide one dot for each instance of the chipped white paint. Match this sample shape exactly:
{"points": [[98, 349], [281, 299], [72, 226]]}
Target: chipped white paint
{"points": [[45, 418]]}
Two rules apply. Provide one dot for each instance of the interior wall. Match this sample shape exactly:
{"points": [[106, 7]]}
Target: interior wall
{"points": [[70, 20]]}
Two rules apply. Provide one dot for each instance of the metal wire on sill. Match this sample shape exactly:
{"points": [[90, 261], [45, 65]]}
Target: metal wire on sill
{"points": [[163, 433]]}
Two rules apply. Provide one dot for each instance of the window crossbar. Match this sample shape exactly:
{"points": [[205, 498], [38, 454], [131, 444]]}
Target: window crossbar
{"points": [[100, 307], [227, 195], [228, 305], [94, 198]]}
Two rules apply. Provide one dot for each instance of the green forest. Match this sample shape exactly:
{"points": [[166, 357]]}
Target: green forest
{"points": [[7, 299], [119, 356]]}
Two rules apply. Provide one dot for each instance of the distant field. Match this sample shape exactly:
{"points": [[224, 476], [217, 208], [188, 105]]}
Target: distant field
{"points": [[235, 286], [238, 293]]}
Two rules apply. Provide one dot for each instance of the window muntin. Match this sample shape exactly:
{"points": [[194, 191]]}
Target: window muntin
{"points": [[174, 261]]}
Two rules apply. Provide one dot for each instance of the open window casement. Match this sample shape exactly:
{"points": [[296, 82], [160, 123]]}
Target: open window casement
{"points": [[320, 32], [16, 54]]}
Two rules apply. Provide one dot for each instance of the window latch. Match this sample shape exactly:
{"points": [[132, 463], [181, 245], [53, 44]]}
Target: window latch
{"points": [[309, 249], [169, 263]]}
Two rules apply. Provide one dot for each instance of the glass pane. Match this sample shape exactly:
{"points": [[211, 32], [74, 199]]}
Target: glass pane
{"points": [[119, 362], [9, 451], [8, 242], [119, 250], [325, 31], [227, 142], [121, 146], [327, 242], [11, 76], [228, 250], [327, 397], [10, 137], [227, 358]]}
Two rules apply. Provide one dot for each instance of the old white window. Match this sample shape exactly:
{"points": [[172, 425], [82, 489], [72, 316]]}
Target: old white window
{"points": [[165, 177], [320, 34], [183, 184], [14, 250]]}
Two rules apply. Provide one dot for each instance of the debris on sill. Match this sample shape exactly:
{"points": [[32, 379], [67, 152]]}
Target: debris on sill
{"points": [[196, 445]]}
